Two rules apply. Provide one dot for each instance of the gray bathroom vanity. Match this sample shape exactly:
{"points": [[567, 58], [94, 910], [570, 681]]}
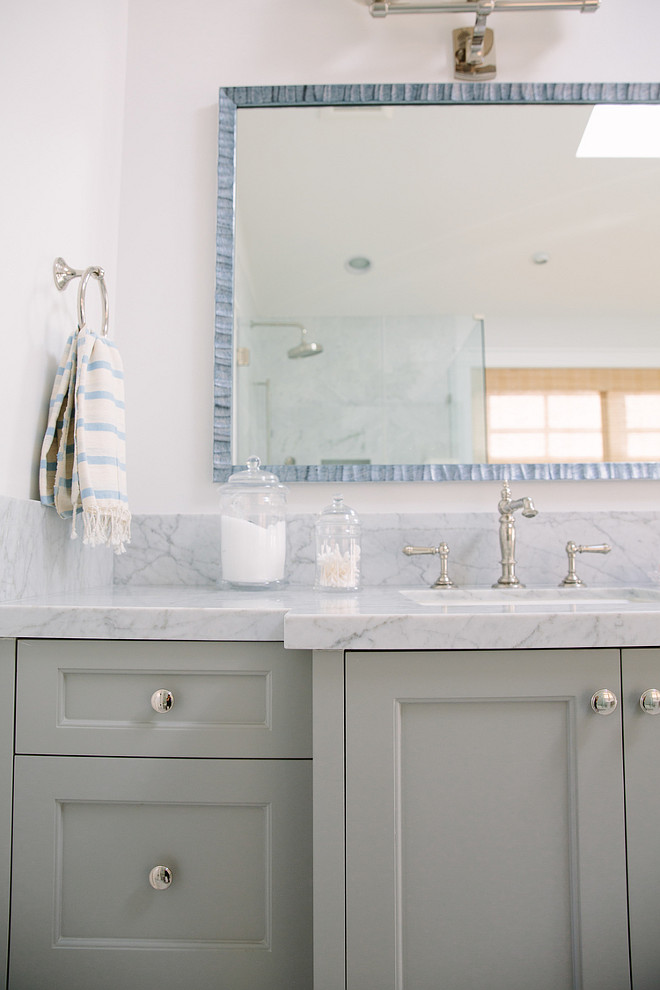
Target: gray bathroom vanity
{"points": [[344, 793]]}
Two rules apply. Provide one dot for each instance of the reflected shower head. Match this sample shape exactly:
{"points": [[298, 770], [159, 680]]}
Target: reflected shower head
{"points": [[306, 348]]}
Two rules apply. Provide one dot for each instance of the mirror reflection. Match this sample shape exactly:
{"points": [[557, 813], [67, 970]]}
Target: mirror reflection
{"points": [[423, 285], [383, 390]]}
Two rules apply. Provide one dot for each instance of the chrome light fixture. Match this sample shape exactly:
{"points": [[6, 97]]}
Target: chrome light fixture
{"points": [[474, 49]]}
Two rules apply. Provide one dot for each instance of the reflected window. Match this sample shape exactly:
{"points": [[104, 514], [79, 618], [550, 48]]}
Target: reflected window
{"points": [[595, 414]]}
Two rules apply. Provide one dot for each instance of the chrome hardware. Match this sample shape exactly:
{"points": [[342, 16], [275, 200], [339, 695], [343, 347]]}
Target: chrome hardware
{"points": [[161, 877], [604, 702], [472, 45], [650, 702], [381, 8], [444, 581], [63, 274], [306, 347], [162, 700], [474, 52], [506, 508], [572, 580]]}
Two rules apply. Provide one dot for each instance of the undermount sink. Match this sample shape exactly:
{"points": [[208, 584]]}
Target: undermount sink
{"points": [[524, 599]]}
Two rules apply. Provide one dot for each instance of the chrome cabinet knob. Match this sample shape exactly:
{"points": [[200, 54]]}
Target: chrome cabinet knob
{"points": [[604, 702], [162, 700], [650, 702], [161, 877]]}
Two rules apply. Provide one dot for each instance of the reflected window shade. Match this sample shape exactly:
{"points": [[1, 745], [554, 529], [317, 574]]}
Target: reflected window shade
{"points": [[506, 412], [642, 410], [571, 410], [641, 418], [643, 446], [504, 447], [589, 414], [577, 446]]}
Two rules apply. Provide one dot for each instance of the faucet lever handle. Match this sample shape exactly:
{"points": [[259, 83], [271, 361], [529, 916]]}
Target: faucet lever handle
{"points": [[572, 580], [443, 581]]}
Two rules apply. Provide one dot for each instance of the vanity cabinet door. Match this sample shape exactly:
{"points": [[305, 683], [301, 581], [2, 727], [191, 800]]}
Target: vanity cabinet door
{"points": [[484, 822], [641, 674], [7, 663], [236, 836]]}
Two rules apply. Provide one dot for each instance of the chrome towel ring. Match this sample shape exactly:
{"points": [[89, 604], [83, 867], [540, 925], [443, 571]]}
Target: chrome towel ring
{"points": [[63, 273]]}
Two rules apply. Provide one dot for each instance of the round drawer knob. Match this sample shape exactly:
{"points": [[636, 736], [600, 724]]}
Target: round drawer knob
{"points": [[650, 702], [160, 877], [162, 700], [604, 702]]}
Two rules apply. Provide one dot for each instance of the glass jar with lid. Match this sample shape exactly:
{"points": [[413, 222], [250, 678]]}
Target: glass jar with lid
{"points": [[253, 528], [337, 536]]}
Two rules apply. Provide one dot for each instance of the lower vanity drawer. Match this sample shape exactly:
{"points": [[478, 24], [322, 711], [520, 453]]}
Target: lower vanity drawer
{"points": [[235, 836], [102, 698]]}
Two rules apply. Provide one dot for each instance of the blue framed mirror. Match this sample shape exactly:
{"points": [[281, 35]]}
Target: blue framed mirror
{"points": [[327, 335]]}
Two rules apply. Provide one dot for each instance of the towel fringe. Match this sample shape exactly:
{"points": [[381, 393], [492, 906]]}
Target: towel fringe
{"points": [[108, 526]]}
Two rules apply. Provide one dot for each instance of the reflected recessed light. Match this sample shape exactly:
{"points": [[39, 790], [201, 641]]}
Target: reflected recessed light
{"points": [[358, 265], [541, 258]]}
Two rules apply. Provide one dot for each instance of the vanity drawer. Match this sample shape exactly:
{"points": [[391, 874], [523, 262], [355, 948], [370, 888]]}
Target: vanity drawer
{"points": [[94, 698], [235, 838]]}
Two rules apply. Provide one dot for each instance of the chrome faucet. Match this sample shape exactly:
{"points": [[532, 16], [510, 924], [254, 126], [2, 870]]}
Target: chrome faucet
{"points": [[444, 581], [506, 507]]}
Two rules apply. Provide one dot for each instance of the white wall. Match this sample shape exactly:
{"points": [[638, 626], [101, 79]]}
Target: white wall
{"points": [[62, 69], [60, 180], [178, 56]]}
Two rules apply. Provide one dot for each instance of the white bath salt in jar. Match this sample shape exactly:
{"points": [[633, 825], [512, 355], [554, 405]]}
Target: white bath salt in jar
{"points": [[253, 528], [337, 535]]}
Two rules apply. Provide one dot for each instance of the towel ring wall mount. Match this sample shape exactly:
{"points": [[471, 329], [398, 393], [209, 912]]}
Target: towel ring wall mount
{"points": [[64, 273]]}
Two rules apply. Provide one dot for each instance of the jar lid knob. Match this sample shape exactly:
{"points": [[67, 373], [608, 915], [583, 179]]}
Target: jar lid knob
{"points": [[255, 475], [339, 510]]}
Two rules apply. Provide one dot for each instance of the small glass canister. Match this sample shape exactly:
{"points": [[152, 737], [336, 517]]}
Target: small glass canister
{"points": [[253, 528], [337, 533]]}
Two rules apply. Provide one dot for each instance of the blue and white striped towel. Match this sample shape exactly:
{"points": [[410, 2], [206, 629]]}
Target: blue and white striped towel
{"points": [[83, 457]]}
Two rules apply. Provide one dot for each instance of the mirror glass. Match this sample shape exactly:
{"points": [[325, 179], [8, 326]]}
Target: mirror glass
{"points": [[428, 282]]}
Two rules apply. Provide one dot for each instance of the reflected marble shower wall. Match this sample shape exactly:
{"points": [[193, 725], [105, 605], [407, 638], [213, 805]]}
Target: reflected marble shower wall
{"points": [[385, 390]]}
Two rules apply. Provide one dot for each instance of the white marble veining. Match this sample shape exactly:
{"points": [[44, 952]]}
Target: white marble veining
{"points": [[371, 619], [390, 621], [38, 556], [167, 585], [176, 550], [148, 613], [185, 550]]}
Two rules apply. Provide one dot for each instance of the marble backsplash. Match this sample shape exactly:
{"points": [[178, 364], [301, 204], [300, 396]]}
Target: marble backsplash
{"points": [[185, 549], [38, 556]]}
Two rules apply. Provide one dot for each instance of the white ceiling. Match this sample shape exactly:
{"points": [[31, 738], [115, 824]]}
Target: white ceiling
{"points": [[450, 204]]}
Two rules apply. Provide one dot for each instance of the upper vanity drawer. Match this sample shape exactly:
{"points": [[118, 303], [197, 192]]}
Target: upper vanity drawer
{"points": [[99, 698]]}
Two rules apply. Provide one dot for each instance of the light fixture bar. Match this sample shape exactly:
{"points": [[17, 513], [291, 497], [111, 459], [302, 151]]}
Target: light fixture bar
{"points": [[473, 48], [381, 8]]}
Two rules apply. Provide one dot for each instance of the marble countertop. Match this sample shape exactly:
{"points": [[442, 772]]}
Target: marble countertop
{"points": [[374, 618], [150, 612]]}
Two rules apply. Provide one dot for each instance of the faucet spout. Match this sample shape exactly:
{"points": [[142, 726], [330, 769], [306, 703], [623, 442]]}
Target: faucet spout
{"points": [[528, 508], [507, 506]]}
